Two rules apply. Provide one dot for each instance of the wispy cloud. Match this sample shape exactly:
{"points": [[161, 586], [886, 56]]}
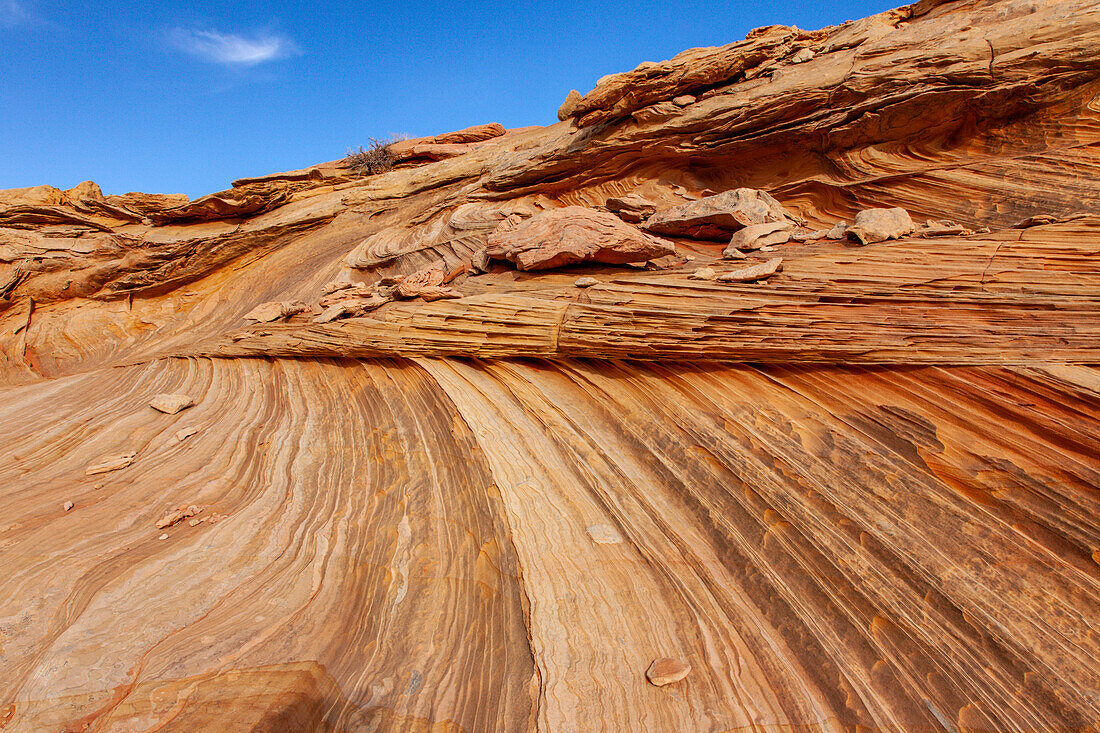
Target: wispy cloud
{"points": [[12, 13], [229, 48]]}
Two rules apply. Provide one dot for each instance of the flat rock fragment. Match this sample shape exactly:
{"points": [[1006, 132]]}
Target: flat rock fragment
{"points": [[170, 404], [667, 671], [178, 514], [631, 208], [757, 236], [603, 534], [585, 282], [110, 463], [750, 274]]}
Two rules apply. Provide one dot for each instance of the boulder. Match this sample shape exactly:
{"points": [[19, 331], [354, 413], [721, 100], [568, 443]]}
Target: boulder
{"points": [[878, 225], [756, 236], [574, 234], [631, 208], [666, 671], [716, 218]]}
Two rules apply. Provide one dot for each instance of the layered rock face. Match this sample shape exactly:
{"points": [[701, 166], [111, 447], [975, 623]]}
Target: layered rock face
{"points": [[314, 454]]}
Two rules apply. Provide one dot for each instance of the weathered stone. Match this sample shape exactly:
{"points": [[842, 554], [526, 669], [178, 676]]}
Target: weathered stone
{"points": [[411, 286], [604, 534], [839, 230], [185, 433], [631, 208], [67, 505], [479, 262], [170, 404], [684, 100], [942, 228], [802, 56], [878, 225], [565, 111], [585, 282], [475, 134], [178, 515], [666, 671], [110, 463], [275, 310], [574, 234], [756, 236], [704, 273], [718, 217], [438, 292], [756, 272], [810, 236]]}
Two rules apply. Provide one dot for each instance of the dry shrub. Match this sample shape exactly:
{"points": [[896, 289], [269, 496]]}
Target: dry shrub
{"points": [[373, 159]]}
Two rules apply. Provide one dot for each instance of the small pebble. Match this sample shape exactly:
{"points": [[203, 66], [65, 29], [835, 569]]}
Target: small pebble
{"points": [[163, 536]]}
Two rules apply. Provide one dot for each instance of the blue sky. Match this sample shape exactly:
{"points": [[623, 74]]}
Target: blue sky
{"points": [[183, 97]]}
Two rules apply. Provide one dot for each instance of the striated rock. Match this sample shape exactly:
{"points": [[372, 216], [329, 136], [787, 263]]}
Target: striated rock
{"points": [[717, 217], [631, 208], [862, 497], [275, 311], [750, 274], [574, 234], [170, 404], [110, 463], [421, 281], [696, 69], [878, 225], [758, 236], [666, 671], [477, 133]]}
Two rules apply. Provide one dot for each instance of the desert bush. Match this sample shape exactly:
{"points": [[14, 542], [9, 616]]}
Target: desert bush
{"points": [[373, 159]]}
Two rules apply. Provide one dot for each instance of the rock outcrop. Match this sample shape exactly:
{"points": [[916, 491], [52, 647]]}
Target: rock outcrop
{"points": [[856, 493]]}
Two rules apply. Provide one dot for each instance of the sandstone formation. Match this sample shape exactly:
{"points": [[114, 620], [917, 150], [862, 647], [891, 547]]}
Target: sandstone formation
{"points": [[860, 494]]}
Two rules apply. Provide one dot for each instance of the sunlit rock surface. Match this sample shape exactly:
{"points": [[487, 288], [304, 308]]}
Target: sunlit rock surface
{"points": [[859, 495]]}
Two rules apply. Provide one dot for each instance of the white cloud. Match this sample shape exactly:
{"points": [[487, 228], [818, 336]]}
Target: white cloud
{"points": [[230, 48], [12, 13]]}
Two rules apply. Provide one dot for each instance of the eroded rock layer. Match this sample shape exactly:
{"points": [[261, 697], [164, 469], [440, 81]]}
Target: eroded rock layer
{"points": [[857, 493]]}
